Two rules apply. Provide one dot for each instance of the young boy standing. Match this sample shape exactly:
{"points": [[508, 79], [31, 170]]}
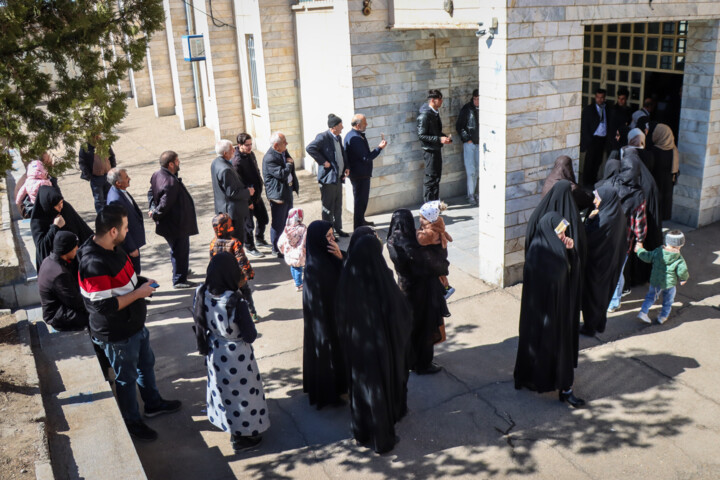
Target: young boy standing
{"points": [[668, 269]]}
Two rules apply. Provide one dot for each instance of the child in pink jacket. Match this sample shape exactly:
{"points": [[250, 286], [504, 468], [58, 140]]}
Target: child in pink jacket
{"points": [[37, 176], [292, 244]]}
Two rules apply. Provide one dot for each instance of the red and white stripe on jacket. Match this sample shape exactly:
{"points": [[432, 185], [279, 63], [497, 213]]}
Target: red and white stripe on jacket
{"points": [[105, 286]]}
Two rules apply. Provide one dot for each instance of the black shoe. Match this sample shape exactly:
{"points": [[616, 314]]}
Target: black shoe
{"points": [[165, 406], [368, 224], [571, 399], [255, 253], [340, 233], [241, 444], [587, 331], [429, 370], [141, 431], [278, 255], [261, 242], [184, 284]]}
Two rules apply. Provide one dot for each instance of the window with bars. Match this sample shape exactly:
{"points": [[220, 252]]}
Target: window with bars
{"points": [[252, 66], [619, 55]]}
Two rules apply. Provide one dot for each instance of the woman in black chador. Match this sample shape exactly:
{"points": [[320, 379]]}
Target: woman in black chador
{"points": [[563, 170], [376, 324], [418, 270], [606, 229], [50, 215], [548, 343], [324, 373]]}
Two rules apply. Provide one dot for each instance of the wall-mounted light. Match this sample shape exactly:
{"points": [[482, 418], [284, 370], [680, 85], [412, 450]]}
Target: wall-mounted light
{"points": [[367, 10]]}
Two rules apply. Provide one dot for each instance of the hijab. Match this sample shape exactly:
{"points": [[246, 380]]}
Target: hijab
{"points": [[628, 182], [663, 138], [360, 232], [294, 228], [563, 170]]}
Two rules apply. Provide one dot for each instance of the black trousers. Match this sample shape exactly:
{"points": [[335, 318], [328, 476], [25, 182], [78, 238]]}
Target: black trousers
{"points": [[593, 160], [279, 213], [433, 172], [67, 319], [361, 194], [258, 213], [180, 258], [331, 199]]}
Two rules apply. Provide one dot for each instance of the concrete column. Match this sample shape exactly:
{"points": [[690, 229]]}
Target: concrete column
{"points": [[492, 63], [183, 87], [696, 199], [160, 74], [224, 105], [142, 89]]}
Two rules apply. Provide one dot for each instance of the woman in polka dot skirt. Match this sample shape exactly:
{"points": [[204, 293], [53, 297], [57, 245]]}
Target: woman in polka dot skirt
{"points": [[225, 332]]}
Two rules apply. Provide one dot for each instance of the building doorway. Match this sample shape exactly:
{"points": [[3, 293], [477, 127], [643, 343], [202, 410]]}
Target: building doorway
{"points": [[666, 90]]}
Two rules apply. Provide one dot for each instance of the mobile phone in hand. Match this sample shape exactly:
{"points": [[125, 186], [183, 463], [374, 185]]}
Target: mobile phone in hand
{"points": [[154, 285]]}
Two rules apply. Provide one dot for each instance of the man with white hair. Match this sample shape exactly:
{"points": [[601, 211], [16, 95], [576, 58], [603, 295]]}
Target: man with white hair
{"points": [[119, 182], [280, 182], [231, 195]]}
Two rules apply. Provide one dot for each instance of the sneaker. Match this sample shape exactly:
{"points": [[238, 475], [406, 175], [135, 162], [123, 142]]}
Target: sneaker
{"points": [[471, 200], [429, 370], [242, 444], [644, 317], [613, 309], [278, 255], [141, 431], [184, 285], [662, 320], [256, 253], [299, 288], [626, 292], [261, 242], [165, 406], [255, 317], [448, 292]]}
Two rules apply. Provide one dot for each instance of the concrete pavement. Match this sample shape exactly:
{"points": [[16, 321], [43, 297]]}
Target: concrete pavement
{"points": [[652, 390]]}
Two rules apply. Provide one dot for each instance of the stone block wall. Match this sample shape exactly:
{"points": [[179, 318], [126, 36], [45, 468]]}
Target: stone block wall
{"points": [[278, 47], [160, 73], [392, 71]]}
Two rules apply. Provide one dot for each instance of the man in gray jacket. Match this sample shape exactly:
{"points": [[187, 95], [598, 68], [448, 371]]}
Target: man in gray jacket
{"points": [[231, 195]]}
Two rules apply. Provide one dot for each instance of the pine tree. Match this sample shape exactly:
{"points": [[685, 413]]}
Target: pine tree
{"points": [[60, 64]]}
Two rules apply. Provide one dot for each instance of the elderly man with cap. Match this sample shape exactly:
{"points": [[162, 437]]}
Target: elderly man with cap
{"points": [[328, 151], [62, 304]]}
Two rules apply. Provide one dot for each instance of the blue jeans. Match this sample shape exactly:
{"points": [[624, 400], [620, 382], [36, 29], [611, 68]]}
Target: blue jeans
{"points": [[471, 155], [133, 362], [617, 296], [99, 187], [668, 296], [297, 274]]}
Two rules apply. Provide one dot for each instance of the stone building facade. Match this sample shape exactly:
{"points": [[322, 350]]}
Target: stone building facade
{"points": [[285, 64]]}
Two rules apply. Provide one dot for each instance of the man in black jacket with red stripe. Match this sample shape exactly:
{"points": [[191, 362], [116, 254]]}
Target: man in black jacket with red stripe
{"points": [[114, 295]]}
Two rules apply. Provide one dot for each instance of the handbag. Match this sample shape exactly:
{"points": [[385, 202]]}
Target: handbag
{"points": [[26, 207], [439, 336]]}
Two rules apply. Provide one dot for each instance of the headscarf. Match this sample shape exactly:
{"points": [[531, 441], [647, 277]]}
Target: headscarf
{"points": [[37, 171], [664, 139], [64, 242], [222, 225], [563, 170], [223, 274], [627, 182], [294, 229], [47, 199], [317, 244], [636, 138], [360, 232]]}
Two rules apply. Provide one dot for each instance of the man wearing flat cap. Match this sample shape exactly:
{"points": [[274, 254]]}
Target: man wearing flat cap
{"points": [[62, 304], [328, 151]]}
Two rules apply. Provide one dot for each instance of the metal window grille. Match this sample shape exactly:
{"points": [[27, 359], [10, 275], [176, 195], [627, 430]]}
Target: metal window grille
{"points": [[253, 71], [618, 55]]}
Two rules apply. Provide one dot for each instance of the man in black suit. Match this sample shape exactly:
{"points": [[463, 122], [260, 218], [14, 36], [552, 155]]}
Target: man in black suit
{"points": [[135, 238], [230, 193], [593, 136], [328, 151]]}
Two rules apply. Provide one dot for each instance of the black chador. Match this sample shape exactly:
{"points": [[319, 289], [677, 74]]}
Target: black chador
{"points": [[548, 341], [324, 373], [376, 324], [607, 246]]}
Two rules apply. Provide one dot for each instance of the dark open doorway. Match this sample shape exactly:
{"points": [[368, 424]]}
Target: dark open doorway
{"points": [[666, 90]]}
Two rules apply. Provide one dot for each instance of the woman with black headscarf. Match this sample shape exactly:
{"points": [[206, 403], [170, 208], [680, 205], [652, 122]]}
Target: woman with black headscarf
{"points": [[667, 165], [418, 270], [377, 324], [563, 170], [324, 371], [606, 229], [51, 214], [225, 333], [548, 336]]}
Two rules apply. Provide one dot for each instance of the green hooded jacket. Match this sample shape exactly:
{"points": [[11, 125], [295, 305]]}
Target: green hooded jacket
{"points": [[668, 268]]}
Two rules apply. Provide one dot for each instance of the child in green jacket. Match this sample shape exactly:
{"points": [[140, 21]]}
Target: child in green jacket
{"points": [[668, 268]]}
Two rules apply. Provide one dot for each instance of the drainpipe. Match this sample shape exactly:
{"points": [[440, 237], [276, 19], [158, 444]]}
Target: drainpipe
{"points": [[196, 82]]}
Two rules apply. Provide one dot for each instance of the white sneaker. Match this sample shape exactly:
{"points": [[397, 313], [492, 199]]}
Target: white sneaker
{"points": [[662, 320], [644, 317]]}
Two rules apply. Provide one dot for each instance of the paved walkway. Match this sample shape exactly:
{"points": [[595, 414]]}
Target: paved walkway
{"points": [[652, 390]]}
